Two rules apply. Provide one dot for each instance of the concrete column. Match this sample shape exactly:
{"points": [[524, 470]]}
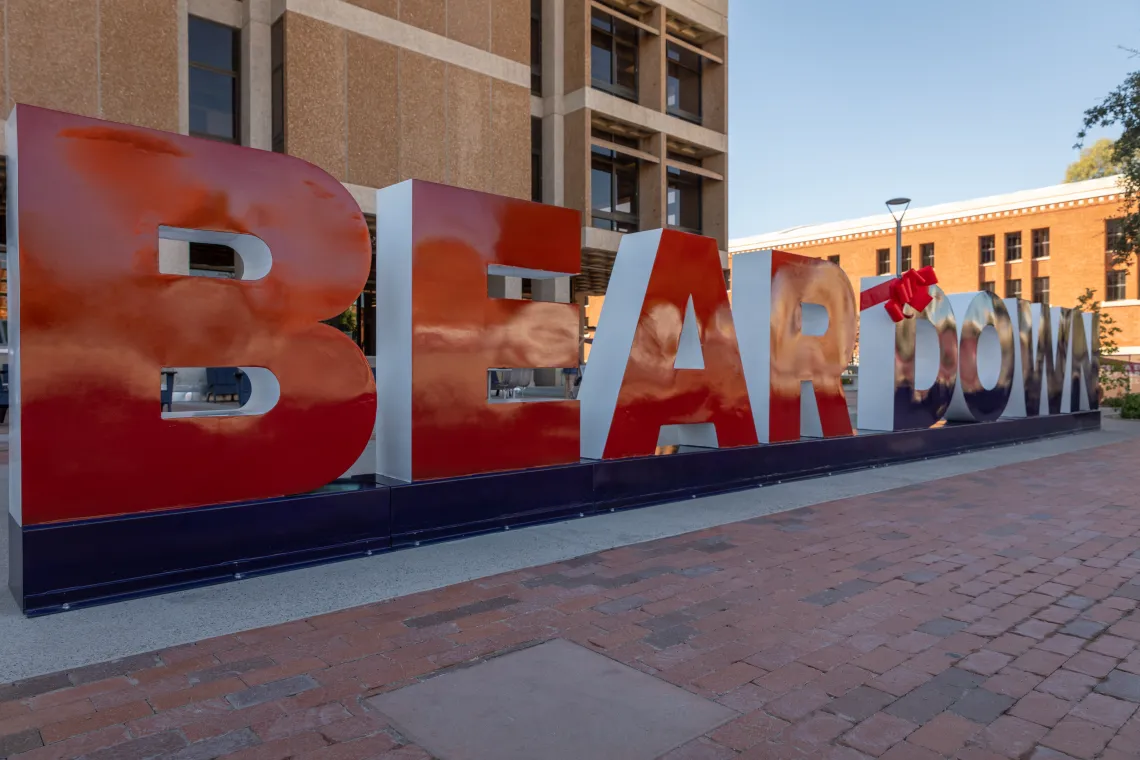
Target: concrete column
{"points": [[651, 63], [714, 87], [183, 68], [651, 185], [256, 75], [556, 290], [553, 88], [714, 201]]}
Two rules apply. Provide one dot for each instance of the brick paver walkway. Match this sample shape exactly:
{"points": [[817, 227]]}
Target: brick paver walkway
{"points": [[990, 615]]}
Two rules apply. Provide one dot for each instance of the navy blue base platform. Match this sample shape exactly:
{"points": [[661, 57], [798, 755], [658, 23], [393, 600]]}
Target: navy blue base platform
{"points": [[63, 566]]}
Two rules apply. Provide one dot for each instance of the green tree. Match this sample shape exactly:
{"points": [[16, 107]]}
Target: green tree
{"points": [[1113, 375], [1121, 108], [1096, 161]]}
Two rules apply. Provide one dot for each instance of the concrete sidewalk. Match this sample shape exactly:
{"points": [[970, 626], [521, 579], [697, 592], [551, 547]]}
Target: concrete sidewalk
{"points": [[991, 614]]}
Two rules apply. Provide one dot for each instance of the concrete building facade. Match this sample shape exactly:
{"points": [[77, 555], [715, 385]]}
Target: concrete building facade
{"points": [[1047, 245], [617, 109]]}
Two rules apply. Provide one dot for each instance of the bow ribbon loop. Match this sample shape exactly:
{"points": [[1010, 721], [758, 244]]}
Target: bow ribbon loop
{"points": [[912, 289]]}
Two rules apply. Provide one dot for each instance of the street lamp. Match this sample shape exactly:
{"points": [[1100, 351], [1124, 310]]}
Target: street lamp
{"points": [[898, 207]]}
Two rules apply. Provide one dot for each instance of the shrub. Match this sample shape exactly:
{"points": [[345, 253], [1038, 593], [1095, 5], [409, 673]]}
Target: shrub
{"points": [[1130, 410], [1114, 402]]}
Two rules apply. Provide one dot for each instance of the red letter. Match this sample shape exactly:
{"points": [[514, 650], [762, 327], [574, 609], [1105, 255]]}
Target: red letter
{"points": [[439, 332], [94, 321], [665, 353]]}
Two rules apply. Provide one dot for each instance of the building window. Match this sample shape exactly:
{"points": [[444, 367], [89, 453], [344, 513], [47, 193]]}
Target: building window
{"points": [[613, 55], [1013, 247], [683, 83], [883, 261], [1040, 290], [613, 190], [905, 258], [215, 86], [834, 259], [926, 251], [1114, 235], [536, 47], [987, 248], [277, 83], [536, 160], [1013, 288], [1117, 286], [989, 286], [1040, 242], [683, 201]]}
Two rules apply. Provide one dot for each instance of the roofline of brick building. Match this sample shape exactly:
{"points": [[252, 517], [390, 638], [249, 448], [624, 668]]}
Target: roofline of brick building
{"points": [[1071, 193]]}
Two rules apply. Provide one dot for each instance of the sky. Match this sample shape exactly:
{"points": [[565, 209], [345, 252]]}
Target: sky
{"points": [[837, 105]]}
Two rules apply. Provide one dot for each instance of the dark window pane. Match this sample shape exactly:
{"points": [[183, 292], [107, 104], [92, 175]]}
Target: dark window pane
{"points": [[906, 258], [988, 286], [1117, 285], [536, 47], [1013, 246], [627, 188], [601, 58], [627, 67], [1013, 289], [683, 83], [536, 160], [986, 248], [212, 104], [927, 252], [1040, 243], [883, 261], [833, 259], [1040, 290], [601, 189], [683, 201], [212, 44]]}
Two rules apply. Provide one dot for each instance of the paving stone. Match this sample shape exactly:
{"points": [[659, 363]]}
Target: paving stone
{"points": [[1078, 738], [1098, 708], [33, 687], [670, 637], [920, 576], [1076, 602], [268, 692], [945, 734], [624, 604], [1085, 629], [146, 748], [458, 613], [1009, 736], [1041, 708], [218, 745], [1067, 684], [1121, 685], [894, 535], [23, 741], [985, 662], [859, 704], [878, 733], [873, 565], [922, 704], [942, 627], [104, 670], [982, 706]]}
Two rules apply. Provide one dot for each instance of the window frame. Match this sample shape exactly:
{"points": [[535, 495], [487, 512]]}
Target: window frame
{"points": [[1039, 243], [989, 286], [536, 159], [923, 250], [834, 259], [615, 218], [906, 259], [1009, 236], [982, 249], [670, 63], [1109, 285], [882, 261], [536, 47], [615, 39], [234, 75], [1009, 288], [1114, 238], [1041, 294], [691, 180]]}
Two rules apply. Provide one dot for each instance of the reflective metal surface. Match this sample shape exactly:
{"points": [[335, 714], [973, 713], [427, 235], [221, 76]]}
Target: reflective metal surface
{"points": [[920, 408], [1041, 364], [1086, 360], [654, 392], [97, 321], [1056, 349], [813, 338], [974, 361], [458, 333]]}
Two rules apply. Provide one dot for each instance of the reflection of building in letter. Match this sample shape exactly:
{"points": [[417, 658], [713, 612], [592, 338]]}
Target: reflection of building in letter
{"points": [[1045, 245], [615, 108]]}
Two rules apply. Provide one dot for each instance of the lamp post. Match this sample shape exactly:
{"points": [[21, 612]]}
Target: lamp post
{"points": [[898, 207]]}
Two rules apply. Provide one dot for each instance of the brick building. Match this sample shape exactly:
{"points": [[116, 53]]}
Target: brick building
{"points": [[617, 109], [1045, 245]]}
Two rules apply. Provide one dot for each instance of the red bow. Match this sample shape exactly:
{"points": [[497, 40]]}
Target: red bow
{"points": [[912, 289]]}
